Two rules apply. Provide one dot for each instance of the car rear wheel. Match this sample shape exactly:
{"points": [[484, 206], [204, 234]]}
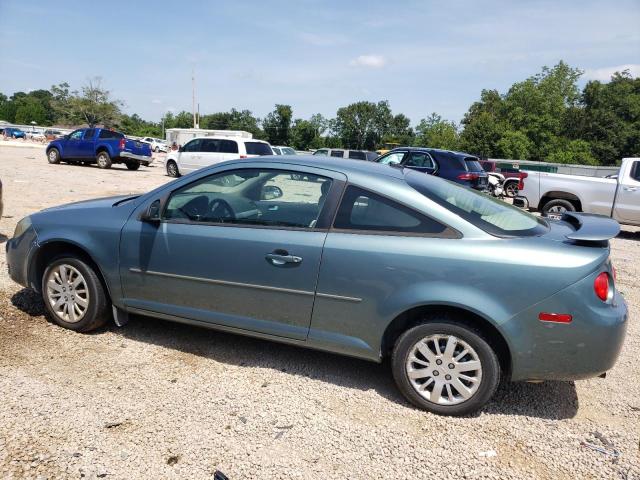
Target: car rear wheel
{"points": [[53, 156], [556, 208], [172, 169], [103, 160], [133, 165], [74, 295], [445, 367], [511, 189]]}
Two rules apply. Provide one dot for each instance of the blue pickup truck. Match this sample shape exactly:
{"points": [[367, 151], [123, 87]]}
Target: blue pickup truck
{"points": [[101, 146]]}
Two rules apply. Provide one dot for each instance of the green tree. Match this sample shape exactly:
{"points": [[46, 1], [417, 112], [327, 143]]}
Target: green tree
{"points": [[304, 134], [30, 109], [277, 125], [362, 125], [514, 145], [572, 152], [93, 105], [435, 132]]}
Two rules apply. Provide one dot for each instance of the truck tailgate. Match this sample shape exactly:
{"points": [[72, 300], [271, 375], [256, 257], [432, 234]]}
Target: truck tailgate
{"points": [[137, 148]]}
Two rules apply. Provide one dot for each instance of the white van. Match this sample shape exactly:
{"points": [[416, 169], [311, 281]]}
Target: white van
{"points": [[204, 151]]}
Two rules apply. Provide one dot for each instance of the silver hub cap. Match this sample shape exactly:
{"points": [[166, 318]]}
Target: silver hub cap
{"points": [[67, 293], [444, 369], [172, 169], [556, 212], [52, 155]]}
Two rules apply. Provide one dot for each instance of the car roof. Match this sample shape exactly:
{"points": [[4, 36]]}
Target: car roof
{"points": [[343, 165], [433, 150], [218, 137]]}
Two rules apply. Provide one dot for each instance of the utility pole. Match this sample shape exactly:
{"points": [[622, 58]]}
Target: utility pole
{"points": [[193, 95]]}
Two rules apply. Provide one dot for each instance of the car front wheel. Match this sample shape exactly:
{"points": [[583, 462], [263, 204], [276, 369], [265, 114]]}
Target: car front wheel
{"points": [[53, 156], [172, 169], [74, 295], [445, 367]]}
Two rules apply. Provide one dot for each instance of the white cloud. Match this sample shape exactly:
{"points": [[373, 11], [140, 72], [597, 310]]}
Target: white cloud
{"points": [[604, 74], [369, 61]]}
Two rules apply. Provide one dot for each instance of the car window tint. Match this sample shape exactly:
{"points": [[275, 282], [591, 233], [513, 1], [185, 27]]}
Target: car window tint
{"points": [[210, 145], [364, 210], [391, 158], [77, 135], [288, 151], [89, 134], [419, 159], [251, 197], [228, 146], [322, 151], [357, 155], [106, 134], [337, 153], [192, 146], [473, 165], [258, 148]]}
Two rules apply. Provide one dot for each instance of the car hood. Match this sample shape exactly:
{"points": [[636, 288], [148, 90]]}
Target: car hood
{"points": [[93, 203]]}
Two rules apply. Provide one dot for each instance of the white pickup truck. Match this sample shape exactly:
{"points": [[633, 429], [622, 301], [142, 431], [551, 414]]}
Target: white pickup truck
{"points": [[617, 197]]}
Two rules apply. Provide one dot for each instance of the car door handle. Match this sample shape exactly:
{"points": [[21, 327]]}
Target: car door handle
{"points": [[280, 258], [630, 189]]}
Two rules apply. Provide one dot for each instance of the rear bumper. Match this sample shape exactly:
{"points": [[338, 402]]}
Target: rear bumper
{"points": [[135, 156], [584, 348]]}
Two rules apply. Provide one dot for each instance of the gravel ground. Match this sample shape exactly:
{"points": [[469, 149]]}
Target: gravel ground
{"points": [[161, 400]]}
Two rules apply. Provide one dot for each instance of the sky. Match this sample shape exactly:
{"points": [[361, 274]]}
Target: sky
{"points": [[421, 56]]}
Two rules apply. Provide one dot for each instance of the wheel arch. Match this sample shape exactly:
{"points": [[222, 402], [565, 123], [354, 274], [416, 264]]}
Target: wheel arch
{"points": [[415, 316], [53, 248], [560, 195]]}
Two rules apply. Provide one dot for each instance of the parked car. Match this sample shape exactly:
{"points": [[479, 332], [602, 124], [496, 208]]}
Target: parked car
{"points": [[11, 132], [37, 136], [511, 174], [283, 150], [204, 151], [157, 145], [458, 167], [554, 193], [368, 261], [101, 146], [52, 134], [346, 153]]}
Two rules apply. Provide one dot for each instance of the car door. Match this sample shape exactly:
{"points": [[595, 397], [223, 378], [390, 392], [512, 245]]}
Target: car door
{"points": [[209, 153], [189, 156], [627, 203], [214, 258], [228, 150], [72, 145], [85, 146], [420, 161]]}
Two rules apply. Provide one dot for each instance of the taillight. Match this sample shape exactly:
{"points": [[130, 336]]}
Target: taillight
{"points": [[601, 286], [122, 144], [522, 176], [468, 176], [243, 156]]}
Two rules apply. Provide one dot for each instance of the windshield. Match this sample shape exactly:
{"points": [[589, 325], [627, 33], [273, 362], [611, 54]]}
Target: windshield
{"points": [[489, 214]]}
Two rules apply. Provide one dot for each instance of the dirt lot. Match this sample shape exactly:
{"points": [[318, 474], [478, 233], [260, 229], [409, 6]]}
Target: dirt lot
{"points": [[161, 400]]}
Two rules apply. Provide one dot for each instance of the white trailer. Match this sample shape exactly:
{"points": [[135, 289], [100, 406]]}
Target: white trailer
{"points": [[182, 135]]}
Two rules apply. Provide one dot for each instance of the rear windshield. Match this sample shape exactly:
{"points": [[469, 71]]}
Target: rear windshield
{"points": [[473, 165], [489, 214], [258, 148]]}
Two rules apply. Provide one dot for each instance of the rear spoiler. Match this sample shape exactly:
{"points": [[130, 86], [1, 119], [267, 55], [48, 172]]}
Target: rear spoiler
{"points": [[590, 227]]}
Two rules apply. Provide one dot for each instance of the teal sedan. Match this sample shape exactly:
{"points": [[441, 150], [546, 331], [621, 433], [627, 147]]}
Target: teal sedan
{"points": [[457, 289]]}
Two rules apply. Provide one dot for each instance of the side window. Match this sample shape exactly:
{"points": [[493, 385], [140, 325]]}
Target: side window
{"points": [[635, 171], [364, 210], [210, 145], [419, 159], [392, 158], [192, 146], [354, 154], [89, 134], [77, 135], [250, 197], [228, 146], [337, 153], [322, 151], [110, 134]]}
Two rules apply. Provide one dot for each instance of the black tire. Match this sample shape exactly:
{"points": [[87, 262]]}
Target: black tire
{"points": [[133, 165], [445, 325], [511, 188], [97, 312], [103, 160], [155, 149], [555, 208], [53, 156], [172, 169]]}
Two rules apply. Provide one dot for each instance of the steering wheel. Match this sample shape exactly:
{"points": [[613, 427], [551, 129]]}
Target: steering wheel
{"points": [[221, 211]]}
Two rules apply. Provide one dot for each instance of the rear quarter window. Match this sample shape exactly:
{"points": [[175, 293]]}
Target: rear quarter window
{"points": [[355, 155], [106, 134], [258, 148]]}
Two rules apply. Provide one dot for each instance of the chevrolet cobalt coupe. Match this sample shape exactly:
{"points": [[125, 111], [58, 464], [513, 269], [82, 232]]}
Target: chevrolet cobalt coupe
{"points": [[362, 259]]}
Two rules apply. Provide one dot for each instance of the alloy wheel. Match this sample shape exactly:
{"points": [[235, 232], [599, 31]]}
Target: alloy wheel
{"points": [[556, 212], [67, 293], [444, 369]]}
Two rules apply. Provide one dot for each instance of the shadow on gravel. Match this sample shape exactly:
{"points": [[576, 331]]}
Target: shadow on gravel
{"points": [[627, 235], [3, 238], [548, 400]]}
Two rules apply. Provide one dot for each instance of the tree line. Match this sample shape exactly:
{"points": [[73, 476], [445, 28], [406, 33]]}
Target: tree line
{"points": [[545, 117]]}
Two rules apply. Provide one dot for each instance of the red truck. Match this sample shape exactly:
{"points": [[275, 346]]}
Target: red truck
{"points": [[511, 173]]}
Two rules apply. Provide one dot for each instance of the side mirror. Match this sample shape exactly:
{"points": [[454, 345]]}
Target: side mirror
{"points": [[271, 192], [152, 213], [181, 149]]}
